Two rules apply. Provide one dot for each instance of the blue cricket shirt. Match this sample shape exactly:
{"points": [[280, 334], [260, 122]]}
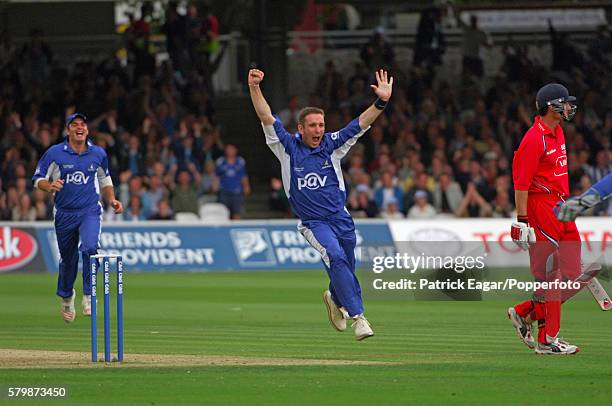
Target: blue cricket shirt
{"points": [[83, 174], [230, 175], [312, 178]]}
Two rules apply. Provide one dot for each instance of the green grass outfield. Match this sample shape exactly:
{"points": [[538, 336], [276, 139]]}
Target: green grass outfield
{"points": [[438, 352]]}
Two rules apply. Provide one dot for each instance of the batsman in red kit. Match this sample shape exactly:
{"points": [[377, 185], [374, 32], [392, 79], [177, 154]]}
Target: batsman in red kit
{"points": [[540, 179]]}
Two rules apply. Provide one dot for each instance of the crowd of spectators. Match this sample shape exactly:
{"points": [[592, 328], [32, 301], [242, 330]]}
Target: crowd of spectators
{"points": [[446, 149], [156, 122], [442, 147]]}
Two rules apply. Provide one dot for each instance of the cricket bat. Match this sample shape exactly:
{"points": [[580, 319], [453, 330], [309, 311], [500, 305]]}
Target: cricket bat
{"points": [[599, 294]]}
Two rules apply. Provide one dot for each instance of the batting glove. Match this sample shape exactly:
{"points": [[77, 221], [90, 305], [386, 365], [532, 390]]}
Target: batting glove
{"points": [[570, 209], [522, 234]]}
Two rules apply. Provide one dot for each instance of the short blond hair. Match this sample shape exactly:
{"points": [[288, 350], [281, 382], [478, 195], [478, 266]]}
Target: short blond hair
{"points": [[307, 111]]}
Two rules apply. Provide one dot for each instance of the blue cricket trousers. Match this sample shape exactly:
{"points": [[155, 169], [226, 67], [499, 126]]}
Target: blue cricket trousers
{"points": [[70, 227], [334, 238]]}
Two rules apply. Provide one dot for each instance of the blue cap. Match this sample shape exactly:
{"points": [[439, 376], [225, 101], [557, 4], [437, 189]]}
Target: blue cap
{"points": [[362, 188], [74, 116], [420, 194]]}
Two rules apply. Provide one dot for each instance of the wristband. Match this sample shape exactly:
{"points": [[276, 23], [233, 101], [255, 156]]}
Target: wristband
{"points": [[522, 219], [380, 104]]}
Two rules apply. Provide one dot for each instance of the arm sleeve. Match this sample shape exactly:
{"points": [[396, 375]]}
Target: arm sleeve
{"points": [[460, 23], [399, 196], [243, 172], [103, 173], [484, 38], [552, 31], [278, 139], [341, 141], [604, 187], [218, 164], [526, 161], [46, 169]]}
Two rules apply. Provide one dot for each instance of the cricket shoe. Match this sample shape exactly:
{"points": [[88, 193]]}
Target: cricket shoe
{"points": [[523, 329], [86, 305], [68, 311], [334, 314], [361, 328], [557, 347]]}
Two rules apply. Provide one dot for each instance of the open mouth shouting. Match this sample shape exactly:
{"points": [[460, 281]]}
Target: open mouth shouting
{"points": [[77, 129]]}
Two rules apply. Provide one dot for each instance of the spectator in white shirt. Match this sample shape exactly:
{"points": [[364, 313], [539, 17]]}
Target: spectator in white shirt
{"points": [[421, 209], [391, 210]]}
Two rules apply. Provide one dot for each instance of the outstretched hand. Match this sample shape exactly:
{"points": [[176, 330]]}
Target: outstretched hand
{"points": [[384, 86], [255, 77]]}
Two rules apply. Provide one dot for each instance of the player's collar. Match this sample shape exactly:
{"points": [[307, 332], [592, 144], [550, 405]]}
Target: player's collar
{"points": [[540, 125], [70, 150]]}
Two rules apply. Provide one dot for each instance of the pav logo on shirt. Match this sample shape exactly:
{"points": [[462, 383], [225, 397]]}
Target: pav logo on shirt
{"points": [[311, 181], [78, 178]]}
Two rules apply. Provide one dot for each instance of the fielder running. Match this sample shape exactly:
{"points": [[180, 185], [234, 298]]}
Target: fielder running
{"points": [[540, 180], [596, 194], [75, 171], [313, 181]]}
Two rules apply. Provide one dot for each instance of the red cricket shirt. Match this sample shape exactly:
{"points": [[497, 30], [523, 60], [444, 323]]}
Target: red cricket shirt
{"points": [[540, 163]]}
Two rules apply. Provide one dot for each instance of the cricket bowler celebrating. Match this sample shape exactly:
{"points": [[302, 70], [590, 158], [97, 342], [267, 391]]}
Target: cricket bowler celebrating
{"points": [[313, 181], [75, 171], [540, 180]]}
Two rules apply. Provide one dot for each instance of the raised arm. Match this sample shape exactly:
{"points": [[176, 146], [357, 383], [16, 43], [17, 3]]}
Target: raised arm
{"points": [[259, 102], [551, 30], [382, 89], [460, 23]]}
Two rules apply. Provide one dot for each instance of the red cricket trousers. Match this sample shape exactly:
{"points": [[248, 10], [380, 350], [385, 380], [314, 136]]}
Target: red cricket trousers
{"points": [[554, 257]]}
